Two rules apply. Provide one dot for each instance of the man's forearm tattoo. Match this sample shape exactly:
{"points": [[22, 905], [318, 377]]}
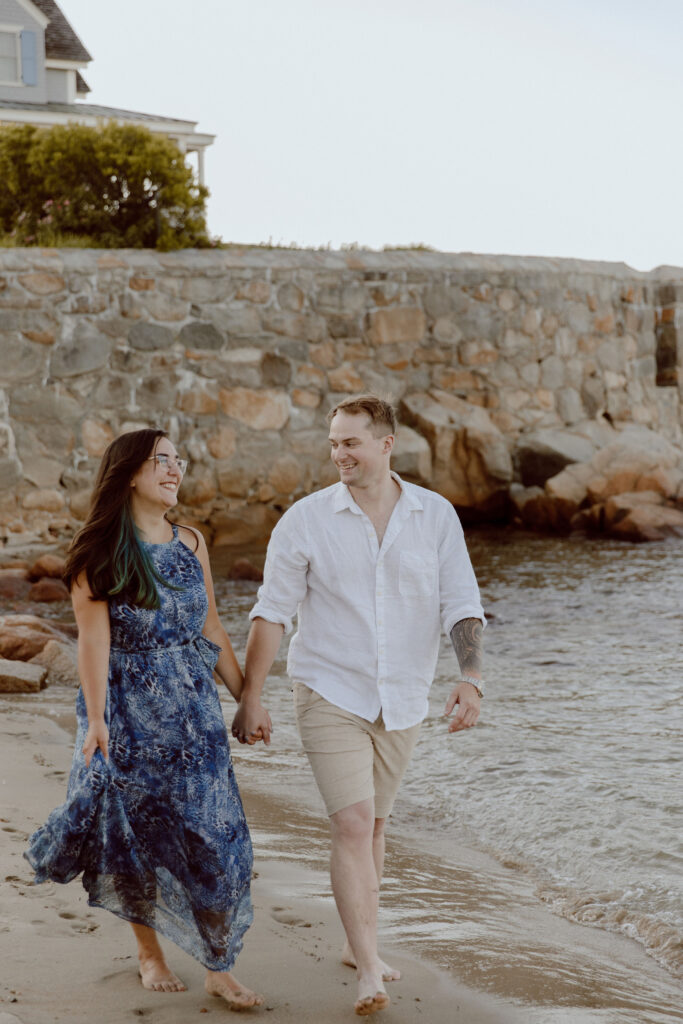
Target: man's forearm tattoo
{"points": [[466, 640]]}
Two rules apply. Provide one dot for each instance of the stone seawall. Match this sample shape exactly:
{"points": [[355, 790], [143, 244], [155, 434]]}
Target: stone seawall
{"points": [[239, 354]]}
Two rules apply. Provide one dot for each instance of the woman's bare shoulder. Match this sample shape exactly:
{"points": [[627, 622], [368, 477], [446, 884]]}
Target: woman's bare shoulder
{"points": [[191, 537]]}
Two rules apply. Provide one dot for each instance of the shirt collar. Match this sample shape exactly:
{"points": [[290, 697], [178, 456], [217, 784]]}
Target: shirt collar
{"points": [[343, 498]]}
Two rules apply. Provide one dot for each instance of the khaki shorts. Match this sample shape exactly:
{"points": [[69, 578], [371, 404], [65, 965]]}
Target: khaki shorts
{"points": [[352, 759]]}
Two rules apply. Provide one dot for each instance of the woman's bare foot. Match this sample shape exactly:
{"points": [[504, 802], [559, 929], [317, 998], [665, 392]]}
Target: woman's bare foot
{"points": [[388, 973], [371, 997], [156, 975], [223, 985]]}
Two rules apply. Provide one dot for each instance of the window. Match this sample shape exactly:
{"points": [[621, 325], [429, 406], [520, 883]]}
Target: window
{"points": [[9, 58]]}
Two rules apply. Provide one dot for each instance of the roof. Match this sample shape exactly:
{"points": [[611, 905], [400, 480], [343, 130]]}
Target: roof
{"points": [[61, 42], [93, 110], [82, 86]]}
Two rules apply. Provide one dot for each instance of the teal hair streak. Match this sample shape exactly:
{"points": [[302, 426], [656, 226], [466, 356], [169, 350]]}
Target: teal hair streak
{"points": [[134, 574]]}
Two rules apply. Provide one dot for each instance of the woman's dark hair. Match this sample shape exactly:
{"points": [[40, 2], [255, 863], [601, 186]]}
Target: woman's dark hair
{"points": [[108, 547]]}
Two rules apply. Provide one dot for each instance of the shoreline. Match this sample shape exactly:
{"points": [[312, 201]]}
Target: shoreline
{"points": [[291, 953], [548, 969]]}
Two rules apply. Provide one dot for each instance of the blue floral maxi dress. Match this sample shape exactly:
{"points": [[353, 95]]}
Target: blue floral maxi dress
{"points": [[159, 831]]}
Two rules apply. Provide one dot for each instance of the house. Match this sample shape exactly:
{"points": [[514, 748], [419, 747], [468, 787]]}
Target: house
{"points": [[41, 60]]}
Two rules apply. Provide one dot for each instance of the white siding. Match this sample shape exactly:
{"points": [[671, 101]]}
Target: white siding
{"points": [[61, 86], [13, 13]]}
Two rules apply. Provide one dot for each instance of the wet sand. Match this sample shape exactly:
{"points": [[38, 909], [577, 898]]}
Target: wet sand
{"points": [[63, 961]]}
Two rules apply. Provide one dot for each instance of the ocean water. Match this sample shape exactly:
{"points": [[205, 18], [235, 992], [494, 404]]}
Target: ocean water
{"points": [[572, 777]]}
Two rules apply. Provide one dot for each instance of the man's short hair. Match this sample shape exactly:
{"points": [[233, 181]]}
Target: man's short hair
{"points": [[382, 414]]}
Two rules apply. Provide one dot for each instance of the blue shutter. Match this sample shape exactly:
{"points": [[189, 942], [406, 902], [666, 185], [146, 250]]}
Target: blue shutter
{"points": [[29, 61]]}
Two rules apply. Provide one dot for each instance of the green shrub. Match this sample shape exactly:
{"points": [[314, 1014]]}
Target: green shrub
{"points": [[118, 186]]}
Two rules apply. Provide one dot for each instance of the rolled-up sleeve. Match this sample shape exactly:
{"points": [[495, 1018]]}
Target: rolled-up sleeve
{"points": [[458, 590], [284, 575]]}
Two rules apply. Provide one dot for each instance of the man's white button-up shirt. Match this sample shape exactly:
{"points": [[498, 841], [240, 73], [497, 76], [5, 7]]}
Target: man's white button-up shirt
{"points": [[369, 617]]}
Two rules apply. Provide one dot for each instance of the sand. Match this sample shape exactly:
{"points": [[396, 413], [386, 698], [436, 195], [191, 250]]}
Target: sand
{"points": [[63, 961]]}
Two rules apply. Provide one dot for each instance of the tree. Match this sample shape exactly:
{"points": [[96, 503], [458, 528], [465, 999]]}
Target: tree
{"points": [[118, 186]]}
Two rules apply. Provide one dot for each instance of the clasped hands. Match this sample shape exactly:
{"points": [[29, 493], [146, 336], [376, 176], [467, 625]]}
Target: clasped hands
{"points": [[251, 722]]}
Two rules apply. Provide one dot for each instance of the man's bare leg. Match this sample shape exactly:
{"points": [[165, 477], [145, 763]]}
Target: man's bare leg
{"points": [[378, 846], [356, 892], [155, 974]]}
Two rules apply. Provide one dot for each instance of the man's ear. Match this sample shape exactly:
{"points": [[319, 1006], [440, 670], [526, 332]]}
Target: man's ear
{"points": [[389, 442]]}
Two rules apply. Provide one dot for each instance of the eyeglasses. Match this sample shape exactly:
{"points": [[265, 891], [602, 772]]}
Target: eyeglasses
{"points": [[167, 461]]}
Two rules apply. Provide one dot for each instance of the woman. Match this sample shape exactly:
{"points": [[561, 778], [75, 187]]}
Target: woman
{"points": [[153, 816]]}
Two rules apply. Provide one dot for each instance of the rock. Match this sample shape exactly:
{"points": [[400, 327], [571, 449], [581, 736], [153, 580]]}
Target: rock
{"points": [[86, 351], [391, 326], [223, 443], [447, 330], [79, 503], [412, 456], [619, 506], [471, 462], [294, 325], [48, 565], [544, 453], [242, 569], [10, 473], [647, 522], [252, 524], [43, 283], [197, 402], [149, 337], [97, 436], [276, 371], [347, 299], [46, 500], [61, 661], [306, 399], [285, 475], [48, 590], [24, 636], [568, 490], [638, 460], [199, 487], [345, 379], [256, 290], [14, 584], [260, 410], [202, 336], [142, 284], [18, 677], [20, 359], [207, 289], [535, 509], [290, 296]]}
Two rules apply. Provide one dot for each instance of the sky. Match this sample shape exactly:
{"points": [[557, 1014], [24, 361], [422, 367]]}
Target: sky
{"points": [[528, 127]]}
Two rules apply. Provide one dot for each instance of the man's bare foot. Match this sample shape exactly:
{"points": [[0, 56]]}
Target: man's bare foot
{"points": [[223, 985], [156, 975], [371, 997], [388, 973]]}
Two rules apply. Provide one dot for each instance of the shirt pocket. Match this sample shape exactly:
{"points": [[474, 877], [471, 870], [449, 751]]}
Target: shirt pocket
{"points": [[418, 576]]}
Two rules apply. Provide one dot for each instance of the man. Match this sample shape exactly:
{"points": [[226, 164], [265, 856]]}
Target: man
{"points": [[373, 566]]}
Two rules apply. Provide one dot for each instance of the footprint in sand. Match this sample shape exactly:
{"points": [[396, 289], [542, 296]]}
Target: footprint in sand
{"points": [[16, 833], [78, 924], [285, 915]]}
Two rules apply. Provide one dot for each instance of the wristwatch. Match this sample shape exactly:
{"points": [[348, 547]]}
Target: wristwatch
{"points": [[476, 683]]}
